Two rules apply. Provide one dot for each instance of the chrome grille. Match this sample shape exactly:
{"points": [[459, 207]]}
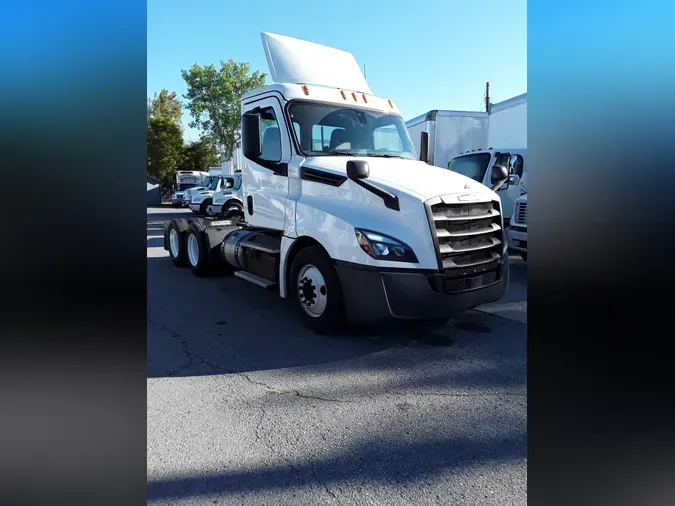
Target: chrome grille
{"points": [[521, 213], [470, 243]]}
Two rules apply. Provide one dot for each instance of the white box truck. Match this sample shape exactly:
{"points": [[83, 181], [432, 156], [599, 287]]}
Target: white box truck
{"points": [[450, 133], [186, 179], [507, 123], [350, 229], [507, 139]]}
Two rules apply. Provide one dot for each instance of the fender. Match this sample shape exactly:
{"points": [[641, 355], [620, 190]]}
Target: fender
{"points": [[289, 245]]}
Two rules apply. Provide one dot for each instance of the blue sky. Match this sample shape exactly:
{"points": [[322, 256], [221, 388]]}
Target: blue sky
{"points": [[432, 54]]}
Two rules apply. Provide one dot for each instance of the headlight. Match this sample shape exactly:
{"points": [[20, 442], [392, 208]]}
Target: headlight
{"points": [[382, 247]]}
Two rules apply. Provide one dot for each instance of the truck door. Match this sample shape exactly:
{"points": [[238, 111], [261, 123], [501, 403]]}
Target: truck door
{"points": [[508, 193], [265, 180]]}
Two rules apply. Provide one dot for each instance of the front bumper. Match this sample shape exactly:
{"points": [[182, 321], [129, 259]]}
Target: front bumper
{"points": [[517, 238], [195, 207], [374, 295]]}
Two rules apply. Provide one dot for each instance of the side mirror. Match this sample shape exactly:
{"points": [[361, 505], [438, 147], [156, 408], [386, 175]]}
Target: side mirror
{"points": [[357, 169], [250, 132], [499, 175], [424, 147]]}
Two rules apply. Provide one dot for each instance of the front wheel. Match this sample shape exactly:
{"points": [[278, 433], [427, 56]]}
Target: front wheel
{"points": [[316, 291], [202, 208]]}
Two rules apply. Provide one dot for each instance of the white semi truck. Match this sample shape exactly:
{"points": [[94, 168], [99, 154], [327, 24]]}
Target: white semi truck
{"points": [[450, 133], [186, 179], [349, 229]]}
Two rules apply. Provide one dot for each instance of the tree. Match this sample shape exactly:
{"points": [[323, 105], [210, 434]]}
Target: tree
{"points": [[165, 148], [214, 99], [200, 155], [166, 105]]}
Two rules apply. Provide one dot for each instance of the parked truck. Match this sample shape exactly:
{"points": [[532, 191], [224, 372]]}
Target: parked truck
{"points": [[186, 179], [517, 232], [507, 123], [214, 174], [351, 230], [507, 138], [450, 133]]}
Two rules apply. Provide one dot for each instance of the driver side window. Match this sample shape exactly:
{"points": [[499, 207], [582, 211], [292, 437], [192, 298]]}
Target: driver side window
{"points": [[270, 136]]}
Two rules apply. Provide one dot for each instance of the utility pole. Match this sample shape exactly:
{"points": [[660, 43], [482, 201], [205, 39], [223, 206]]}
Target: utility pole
{"points": [[364, 71], [487, 97]]}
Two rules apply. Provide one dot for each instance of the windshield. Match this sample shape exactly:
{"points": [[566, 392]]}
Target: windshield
{"points": [[213, 185], [208, 180], [332, 130], [473, 166], [184, 186]]}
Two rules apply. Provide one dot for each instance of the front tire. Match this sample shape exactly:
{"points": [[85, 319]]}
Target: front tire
{"points": [[316, 291], [202, 208]]}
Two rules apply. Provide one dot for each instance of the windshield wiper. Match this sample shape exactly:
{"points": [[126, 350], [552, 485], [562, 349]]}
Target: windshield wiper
{"points": [[340, 153], [384, 155]]}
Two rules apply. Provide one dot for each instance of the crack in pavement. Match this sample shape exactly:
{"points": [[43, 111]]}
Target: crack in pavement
{"points": [[191, 357], [290, 391], [273, 451]]}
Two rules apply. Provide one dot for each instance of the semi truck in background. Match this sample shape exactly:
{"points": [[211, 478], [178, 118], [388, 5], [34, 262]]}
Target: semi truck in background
{"points": [[450, 133], [343, 219], [186, 179]]}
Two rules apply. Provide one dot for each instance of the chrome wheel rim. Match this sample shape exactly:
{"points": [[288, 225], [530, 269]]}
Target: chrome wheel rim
{"points": [[312, 291], [173, 242], [193, 250]]}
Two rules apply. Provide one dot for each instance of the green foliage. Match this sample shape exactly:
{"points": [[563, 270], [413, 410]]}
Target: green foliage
{"points": [[166, 105], [165, 148], [200, 155], [214, 99]]}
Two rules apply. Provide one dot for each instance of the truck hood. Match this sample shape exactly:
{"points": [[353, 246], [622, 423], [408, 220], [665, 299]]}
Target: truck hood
{"points": [[410, 176]]}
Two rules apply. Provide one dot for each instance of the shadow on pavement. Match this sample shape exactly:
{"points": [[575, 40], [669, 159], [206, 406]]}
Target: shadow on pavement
{"points": [[392, 461]]}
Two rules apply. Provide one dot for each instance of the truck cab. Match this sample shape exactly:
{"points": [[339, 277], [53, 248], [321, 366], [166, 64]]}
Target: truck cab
{"points": [[201, 200], [340, 215], [229, 200], [477, 164]]}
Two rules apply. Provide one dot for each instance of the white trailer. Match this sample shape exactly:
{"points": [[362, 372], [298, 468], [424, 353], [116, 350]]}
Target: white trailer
{"points": [[450, 133], [508, 123], [348, 224]]}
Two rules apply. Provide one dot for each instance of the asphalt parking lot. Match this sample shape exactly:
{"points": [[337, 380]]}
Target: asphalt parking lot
{"points": [[245, 406]]}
